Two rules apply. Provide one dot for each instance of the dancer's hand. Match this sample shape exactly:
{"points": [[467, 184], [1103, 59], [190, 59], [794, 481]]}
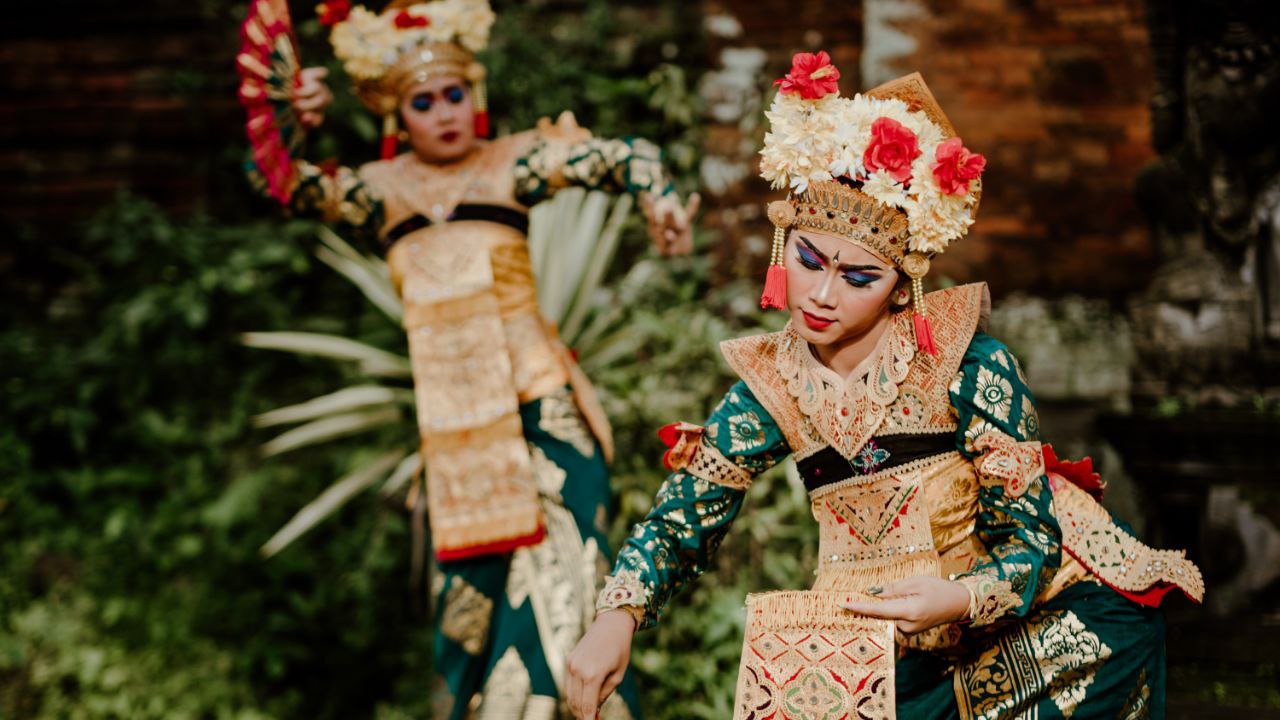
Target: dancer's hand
{"points": [[917, 603], [311, 97], [597, 664], [670, 223]]}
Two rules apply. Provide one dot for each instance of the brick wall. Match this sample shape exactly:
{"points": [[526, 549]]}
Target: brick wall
{"points": [[95, 98], [1053, 92]]}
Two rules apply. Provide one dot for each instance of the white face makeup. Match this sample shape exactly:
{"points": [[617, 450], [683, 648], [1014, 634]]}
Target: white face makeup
{"points": [[438, 115], [837, 292]]}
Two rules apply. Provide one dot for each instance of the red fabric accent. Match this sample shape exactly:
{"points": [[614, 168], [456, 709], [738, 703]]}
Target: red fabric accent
{"points": [[497, 548], [924, 334], [390, 143], [1079, 472], [1151, 597], [668, 435], [482, 123], [775, 288]]}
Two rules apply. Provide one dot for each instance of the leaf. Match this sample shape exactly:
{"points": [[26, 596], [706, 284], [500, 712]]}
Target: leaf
{"points": [[372, 361], [329, 502], [368, 274], [411, 465], [345, 400], [330, 428]]}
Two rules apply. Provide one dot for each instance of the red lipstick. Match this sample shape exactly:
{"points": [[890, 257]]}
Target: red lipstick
{"points": [[816, 323]]}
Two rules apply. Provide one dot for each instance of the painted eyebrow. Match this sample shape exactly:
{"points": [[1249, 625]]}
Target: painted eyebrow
{"points": [[843, 266]]}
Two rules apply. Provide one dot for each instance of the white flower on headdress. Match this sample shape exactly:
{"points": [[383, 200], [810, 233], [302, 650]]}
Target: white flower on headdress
{"points": [[936, 219], [369, 44], [821, 139], [885, 190]]}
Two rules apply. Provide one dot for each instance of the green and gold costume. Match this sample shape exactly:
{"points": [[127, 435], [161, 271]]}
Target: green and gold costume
{"points": [[916, 464]]}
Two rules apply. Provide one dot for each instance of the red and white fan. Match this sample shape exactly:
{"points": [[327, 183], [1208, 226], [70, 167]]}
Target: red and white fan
{"points": [[268, 65]]}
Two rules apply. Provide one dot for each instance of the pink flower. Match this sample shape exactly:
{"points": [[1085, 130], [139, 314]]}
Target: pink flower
{"points": [[333, 12], [812, 76], [406, 20], [955, 166], [892, 149]]}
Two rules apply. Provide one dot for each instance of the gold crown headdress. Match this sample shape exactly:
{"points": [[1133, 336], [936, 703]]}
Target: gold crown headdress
{"points": [[410, 42], [884, 170]]}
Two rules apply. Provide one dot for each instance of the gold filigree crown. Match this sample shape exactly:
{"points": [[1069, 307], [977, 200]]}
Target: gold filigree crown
{"points": [[409, 42], [835, 208]]}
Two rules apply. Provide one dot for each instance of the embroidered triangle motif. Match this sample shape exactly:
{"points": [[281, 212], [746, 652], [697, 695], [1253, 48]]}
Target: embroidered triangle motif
{"points": [[873, 515]]}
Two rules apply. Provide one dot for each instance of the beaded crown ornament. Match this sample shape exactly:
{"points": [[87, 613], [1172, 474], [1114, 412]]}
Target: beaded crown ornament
{"points": [[408, 43], [885, 171]]}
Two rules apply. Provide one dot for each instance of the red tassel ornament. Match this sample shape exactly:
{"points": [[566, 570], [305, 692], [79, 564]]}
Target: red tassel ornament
{"points": [[916, 266], [775, 288], [782, 215], [480, 102], [924, 334], [390, 136]]}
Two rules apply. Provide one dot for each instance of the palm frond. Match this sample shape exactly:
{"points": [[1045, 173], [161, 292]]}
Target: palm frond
{"points": [[329, 501], [410, 466], [342, 401], [372, 361], [331, 428], [368, 274]]}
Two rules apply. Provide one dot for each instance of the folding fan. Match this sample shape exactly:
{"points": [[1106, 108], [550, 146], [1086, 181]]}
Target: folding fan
{"points": [[268, 65]]}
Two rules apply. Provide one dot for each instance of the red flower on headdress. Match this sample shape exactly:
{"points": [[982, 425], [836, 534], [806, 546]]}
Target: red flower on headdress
{"points": [[892, 149], [955, 166], [407, 20], [813, 76], [333, 12]]}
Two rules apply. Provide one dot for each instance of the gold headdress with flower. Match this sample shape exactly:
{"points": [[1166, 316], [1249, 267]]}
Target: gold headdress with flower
{"points": [[884, 170], [410, 42]]}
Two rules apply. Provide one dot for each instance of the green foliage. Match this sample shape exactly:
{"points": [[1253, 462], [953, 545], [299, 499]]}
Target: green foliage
{"points": [[133, 500]]}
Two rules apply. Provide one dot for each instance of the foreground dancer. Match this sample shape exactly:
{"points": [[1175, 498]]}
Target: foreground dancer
{"points": [[514, 441], [964, 572]]}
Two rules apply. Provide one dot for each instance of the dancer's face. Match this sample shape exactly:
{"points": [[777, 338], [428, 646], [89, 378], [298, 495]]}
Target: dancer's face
{"points": [[836, 291], [438, 115]]}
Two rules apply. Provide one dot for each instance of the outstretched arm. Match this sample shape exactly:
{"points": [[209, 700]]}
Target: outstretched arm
{"points": [[331, 193], [566, 155], [677, 540]]}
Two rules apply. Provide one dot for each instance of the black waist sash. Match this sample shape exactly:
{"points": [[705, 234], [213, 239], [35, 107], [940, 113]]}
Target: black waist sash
{"points": [[828, 466], [513, 219]]}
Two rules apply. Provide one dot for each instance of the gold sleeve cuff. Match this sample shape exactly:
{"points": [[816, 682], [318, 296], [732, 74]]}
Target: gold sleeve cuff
{"points": [[989, 598], [625, 592]]}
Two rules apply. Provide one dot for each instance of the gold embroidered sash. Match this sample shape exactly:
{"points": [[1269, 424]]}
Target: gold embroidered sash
{"points": [[804, 656]]}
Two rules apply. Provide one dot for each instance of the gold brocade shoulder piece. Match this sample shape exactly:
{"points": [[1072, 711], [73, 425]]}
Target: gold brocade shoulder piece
{"points": [[895, 392], [754, 359], [923, 403]]}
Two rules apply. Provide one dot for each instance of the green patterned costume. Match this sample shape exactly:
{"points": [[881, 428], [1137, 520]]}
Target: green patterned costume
{"points": [[1047, 638]]}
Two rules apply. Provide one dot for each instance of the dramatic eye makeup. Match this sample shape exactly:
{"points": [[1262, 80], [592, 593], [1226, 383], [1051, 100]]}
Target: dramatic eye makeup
{"points": [[809, 256], [454, 94], [422, 102], [858, 276]]}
